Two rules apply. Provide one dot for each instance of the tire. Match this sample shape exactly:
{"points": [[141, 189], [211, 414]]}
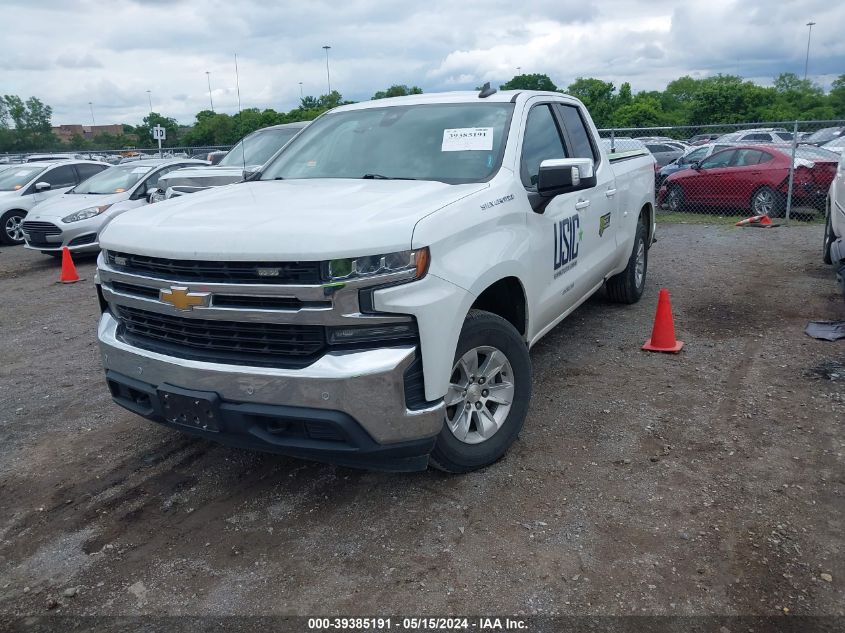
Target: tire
{"points": [[675, 198], [767, 201], [10, 227], [492, 425], [628, 286], [829, 236]]}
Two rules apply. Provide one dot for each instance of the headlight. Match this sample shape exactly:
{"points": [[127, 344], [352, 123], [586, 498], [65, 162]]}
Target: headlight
{"points": [[375, 265], [84, 214]]}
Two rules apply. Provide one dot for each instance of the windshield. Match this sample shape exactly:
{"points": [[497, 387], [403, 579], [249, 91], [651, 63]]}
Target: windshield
{"points": [[113, 180], [258, 147], [815, 153], [14, 179], [825, 134], [451, 143]]}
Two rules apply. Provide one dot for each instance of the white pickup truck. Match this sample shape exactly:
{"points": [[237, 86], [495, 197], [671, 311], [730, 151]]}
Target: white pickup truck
{"points": [[370, 297]]}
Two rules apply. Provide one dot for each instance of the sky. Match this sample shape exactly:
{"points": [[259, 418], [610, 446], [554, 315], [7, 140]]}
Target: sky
{"points": [[111, 52]]}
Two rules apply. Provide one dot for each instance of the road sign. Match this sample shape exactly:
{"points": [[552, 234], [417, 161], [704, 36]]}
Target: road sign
{"points": [[159, 133]]}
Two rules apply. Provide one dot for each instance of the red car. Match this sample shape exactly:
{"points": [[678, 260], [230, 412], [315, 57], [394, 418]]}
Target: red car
{"points": [[751, 176]]}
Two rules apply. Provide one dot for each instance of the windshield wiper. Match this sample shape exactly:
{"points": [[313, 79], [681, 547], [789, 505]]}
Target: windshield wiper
{"points": [[382, 177]]}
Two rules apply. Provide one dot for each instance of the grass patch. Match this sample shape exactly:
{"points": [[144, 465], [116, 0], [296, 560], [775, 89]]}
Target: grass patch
{"points": [[798, 217]]}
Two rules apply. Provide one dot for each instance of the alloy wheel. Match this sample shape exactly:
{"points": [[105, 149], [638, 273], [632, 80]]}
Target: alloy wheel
{"points": [[480, 395]]}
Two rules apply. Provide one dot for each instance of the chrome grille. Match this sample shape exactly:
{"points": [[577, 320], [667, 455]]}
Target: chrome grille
{"points": [[189, 270], [275, 344]]}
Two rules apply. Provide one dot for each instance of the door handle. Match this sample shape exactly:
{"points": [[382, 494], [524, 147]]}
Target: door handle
{"points": [[582, 204], [610, 193]]}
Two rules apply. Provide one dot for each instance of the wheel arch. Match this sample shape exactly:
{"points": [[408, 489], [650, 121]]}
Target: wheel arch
{"points": [[506, 298]]}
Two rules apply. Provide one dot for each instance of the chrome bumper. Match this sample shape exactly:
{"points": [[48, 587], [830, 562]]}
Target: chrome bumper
{"points": [[366, 385]]}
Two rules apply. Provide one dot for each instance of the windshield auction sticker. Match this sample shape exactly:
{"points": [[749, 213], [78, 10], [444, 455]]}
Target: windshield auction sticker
{"points": [[463, 139]]}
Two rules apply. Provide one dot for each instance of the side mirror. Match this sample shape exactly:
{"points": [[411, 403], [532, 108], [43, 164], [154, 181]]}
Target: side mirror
{"points": [[140, 192], [42, 186], [696, 165], [562, 175]]}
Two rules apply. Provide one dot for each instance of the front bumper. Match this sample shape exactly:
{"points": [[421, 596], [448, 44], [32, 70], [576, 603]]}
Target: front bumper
{"points": [[360, 395], [82, 237]]}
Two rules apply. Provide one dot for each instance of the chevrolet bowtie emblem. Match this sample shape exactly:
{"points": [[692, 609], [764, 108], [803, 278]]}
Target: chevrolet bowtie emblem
{"points": [[181, 299]]}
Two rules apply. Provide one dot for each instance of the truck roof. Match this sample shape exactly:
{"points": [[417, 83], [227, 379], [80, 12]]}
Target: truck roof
{"points": [[465, 96]]}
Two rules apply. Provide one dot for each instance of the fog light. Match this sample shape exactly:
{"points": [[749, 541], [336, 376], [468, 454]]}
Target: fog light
{"points": [[342, 335]]}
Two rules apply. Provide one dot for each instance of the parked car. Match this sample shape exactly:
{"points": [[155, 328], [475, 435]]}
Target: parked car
{"points": [[833, 251], [837, 145], [248, 155], [754, 177], [28, 184], [75, 218], [663, 152], [701, 139], [40, 158], [370, 298], [693, 155], [776, 136], [825, 135]]}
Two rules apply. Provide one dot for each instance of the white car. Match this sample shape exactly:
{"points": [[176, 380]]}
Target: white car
{"points": [[837, 145], [28, 184], [834, 228], [248, 155], [371, 296], [75, 218], [772, 135]]}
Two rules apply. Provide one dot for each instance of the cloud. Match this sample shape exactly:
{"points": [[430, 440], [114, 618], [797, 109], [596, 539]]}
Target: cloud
{"points": [[111, 52]]}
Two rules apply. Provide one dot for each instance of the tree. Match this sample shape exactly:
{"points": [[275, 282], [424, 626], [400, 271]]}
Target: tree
{"points": [[397, 91], [31, 118], [837, 96], [145, 130], [597, 95], [533, 81]]}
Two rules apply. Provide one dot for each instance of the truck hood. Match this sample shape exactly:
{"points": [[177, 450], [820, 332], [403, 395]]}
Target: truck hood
{"points": [[309, 219], [58, 207]]}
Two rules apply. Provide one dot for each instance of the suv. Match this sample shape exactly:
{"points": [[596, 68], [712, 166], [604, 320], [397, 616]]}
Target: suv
{"points": [[28, 184]]}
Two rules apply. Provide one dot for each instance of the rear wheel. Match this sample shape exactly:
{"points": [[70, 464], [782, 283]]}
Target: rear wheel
{"points": [[628, 286], [766, 201], [11, 227], [488, 395]]}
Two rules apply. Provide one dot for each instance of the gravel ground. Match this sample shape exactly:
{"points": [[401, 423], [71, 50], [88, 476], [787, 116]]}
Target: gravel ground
{"points": [[710, 482]]}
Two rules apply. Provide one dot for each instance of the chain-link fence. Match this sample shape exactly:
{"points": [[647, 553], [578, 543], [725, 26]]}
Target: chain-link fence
{"points": [[126, 154], [780, 169]]}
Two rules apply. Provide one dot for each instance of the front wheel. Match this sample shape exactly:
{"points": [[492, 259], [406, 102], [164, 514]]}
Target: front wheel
{"points": [[11, 227], [675, 198], [488, 395], [829, 236]]}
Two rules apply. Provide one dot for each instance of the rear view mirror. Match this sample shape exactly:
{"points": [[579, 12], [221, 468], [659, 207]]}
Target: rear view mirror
{"points": [[43, 186], [562, 175]]}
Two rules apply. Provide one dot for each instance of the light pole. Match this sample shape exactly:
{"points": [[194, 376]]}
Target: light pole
{"points": [[150, 99], [328, 76], [210, 101], [518, 70], [807, 58], [301, 94], [91, 105]]}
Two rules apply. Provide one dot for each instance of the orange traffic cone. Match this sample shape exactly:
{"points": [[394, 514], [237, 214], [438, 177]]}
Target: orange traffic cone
{"points": [[69, 274], [663, 334], [756, 220]]}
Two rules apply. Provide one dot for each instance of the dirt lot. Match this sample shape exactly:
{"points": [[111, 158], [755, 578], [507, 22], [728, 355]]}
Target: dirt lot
{"points": [[705, 483]]}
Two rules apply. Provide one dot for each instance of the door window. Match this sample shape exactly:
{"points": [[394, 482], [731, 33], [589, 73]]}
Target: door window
{"points": [[542, 142], [746, 157], [86, 170], [61, 176], [694, 156], [576, 130], [722, 159]]}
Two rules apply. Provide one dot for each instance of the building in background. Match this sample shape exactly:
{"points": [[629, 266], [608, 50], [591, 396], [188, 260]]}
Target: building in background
{"points": [[66, 132]]}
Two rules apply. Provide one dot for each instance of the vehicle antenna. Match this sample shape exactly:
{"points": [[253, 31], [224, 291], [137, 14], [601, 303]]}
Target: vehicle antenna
{"points": [[240, 117]]}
